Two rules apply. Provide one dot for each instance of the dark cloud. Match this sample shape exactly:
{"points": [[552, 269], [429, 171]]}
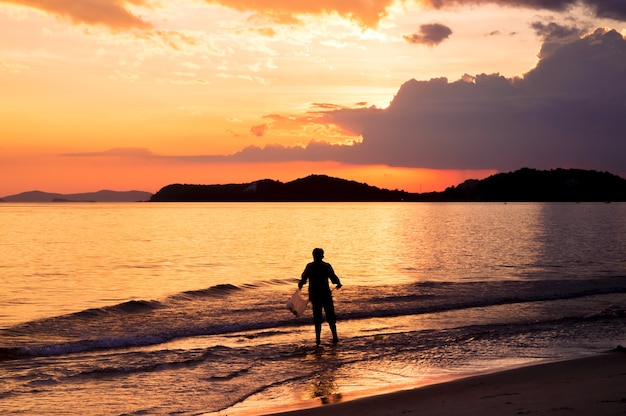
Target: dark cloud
{"points": [[612, 9], [569, 111], [554, 36], [430, 34], [555, 32]]}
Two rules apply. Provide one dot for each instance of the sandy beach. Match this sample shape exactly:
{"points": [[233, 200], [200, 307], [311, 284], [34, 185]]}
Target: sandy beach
{"points": [[593, 385]]}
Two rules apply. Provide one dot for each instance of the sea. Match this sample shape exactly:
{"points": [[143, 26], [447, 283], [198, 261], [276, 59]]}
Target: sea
{"points": [[180, 308]]}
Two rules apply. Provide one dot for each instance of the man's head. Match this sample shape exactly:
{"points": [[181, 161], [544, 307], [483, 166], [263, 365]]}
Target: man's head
{"points": [[318, 254]]}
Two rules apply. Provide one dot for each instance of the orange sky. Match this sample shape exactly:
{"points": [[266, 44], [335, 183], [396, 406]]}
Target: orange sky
{"points": [[138, 94]]}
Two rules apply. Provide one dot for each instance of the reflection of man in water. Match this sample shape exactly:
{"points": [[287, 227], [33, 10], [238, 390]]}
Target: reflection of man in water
{"points": [[317, 273]]}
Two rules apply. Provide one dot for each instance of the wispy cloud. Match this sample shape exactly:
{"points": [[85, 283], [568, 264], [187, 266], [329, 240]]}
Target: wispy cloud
{"points": [[258, 130], [14, 68], [171, 39], [116, 152], [111, 13]]}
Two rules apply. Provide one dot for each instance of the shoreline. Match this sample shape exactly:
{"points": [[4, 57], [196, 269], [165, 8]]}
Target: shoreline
{"points": [[580, 386]]}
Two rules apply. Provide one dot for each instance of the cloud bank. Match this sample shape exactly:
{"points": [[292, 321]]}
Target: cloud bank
{"points": [[569, 111], [116, 15]]}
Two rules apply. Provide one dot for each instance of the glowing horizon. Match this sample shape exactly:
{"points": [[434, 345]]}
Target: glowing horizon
{"points": [[137, 94]]}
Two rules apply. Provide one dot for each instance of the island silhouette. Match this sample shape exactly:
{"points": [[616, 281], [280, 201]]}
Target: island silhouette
{"points": [[524, 185]]}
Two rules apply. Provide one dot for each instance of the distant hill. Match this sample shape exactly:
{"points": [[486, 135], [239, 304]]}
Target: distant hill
{"points": [[312, 188], [524, 185], [100, 196]]}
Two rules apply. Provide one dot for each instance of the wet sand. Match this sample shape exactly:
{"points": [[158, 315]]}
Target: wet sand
{"points": [[580, 387]]}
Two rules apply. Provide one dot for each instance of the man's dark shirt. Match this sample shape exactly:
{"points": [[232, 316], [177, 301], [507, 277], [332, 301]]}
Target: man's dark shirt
{"points": [[318, 273]]}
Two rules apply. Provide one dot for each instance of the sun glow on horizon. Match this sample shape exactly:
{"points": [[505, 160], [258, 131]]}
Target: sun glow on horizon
{"points": [[208, 79]]}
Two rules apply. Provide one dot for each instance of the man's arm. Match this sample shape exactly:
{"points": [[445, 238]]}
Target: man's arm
{"points": [[303, 277], [333, 277]]}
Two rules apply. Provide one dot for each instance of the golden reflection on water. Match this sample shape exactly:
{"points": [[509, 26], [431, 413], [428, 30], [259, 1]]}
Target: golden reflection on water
{"points": [[63, 257], [323, 384]]}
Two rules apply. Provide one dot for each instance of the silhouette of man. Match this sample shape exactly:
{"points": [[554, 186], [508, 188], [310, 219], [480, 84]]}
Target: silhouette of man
{"points": [[317, 273]]}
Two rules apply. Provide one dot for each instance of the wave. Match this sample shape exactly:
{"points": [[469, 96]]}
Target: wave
{"points": [[132, 306], [217, 290], [56, 349], [125, 342], [447, 296], [227, 309], [224, 289]]}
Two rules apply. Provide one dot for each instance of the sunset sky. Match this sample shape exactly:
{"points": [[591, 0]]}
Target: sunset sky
{"points": [[413, 95]]}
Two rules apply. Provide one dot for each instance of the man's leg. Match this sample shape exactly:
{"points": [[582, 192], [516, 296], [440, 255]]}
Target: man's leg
{"points": [[317, 320], [333, 329], [329, 308]]}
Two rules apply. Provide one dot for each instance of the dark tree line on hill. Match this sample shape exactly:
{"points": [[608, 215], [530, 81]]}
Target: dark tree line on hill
{"points": [[310, 189], [559, 185], [524, 185]]}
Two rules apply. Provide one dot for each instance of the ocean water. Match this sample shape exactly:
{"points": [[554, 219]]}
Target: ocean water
{"points": [[149, 308]]}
